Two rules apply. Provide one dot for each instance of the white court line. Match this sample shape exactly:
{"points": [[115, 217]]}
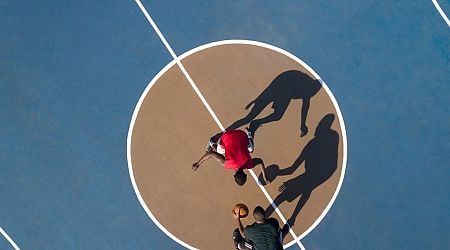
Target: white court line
{"points": [[291, 231], [175, 57], [13, 244], [208, 107], [439, 9]]}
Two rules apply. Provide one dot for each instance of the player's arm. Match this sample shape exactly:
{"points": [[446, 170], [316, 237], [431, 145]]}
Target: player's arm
{"points": [[206, 157], [237, 216], [259, 161]]}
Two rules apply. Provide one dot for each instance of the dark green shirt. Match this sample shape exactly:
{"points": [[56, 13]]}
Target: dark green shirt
{"points": [[265, 236]]}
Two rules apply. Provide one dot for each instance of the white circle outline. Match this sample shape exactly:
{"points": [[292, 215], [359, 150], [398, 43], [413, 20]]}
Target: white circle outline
{"points": [[228, 42]]}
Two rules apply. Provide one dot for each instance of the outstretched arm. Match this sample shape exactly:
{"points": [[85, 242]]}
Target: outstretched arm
{"points": [[303, 115], [207, 156], [259, 161], [300, 159], [237, 216]]}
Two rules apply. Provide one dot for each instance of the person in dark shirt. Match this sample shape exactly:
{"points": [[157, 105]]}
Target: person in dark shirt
{"points": [[264, 234]]}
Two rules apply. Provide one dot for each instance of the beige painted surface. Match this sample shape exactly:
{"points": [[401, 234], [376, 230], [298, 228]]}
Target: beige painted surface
{"points": [[172, 129]]}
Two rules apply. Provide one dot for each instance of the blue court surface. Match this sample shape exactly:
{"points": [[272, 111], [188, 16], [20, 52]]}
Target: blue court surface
{"points": [[72, 72]]}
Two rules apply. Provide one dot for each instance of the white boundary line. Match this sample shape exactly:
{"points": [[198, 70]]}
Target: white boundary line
{"points": [[439, 9], [177, 60], [277, 211], [13, 244], [175, 57], [130, 165]]}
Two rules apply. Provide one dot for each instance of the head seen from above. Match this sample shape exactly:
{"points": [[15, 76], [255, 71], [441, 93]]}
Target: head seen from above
{"points": [[259, 214], [240, 177]]}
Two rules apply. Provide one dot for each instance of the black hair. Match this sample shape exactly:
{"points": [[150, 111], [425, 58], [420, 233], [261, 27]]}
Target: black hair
{"points": [[240, 177], [259, 214]]}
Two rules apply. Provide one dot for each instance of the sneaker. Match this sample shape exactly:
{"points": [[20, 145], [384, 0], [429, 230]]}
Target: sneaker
{"points": [[210, 146], [249, 134]]}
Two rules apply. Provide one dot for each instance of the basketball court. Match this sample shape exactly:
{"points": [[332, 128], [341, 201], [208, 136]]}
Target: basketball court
{"points": [[106, 108]]}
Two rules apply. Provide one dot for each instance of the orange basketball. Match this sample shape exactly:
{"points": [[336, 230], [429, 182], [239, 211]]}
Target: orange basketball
{"points": [[243, 209]]}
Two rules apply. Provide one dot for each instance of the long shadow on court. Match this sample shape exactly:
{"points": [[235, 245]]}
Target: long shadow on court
{"points": [[287, 86], [320, 158]]}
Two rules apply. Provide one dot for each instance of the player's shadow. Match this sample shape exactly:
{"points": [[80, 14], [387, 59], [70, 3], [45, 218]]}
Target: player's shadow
{"points": [[320, 158], [287, 86]]}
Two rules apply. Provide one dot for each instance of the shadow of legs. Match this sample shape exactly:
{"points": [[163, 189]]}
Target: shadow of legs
{"points": [[278, 200], [300, 204], [279, 108], [256, 109]]}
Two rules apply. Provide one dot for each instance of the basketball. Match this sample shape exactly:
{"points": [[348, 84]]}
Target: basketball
{"points": [[243, 209]]}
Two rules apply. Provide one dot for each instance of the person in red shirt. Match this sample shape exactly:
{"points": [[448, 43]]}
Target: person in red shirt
{"points": [[232, 151]]}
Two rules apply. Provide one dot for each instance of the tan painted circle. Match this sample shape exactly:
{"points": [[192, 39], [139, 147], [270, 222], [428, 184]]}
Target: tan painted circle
{"points": [[172, 126]]}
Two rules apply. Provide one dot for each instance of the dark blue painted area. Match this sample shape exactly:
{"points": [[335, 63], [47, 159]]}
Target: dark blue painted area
{"points": [[4, 244], [71, 74], [188, 24], [445, 6], [387, 64]]}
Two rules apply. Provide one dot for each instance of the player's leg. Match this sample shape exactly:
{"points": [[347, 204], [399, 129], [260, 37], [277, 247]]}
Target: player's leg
{"points": [[219, 148], [251, 145], [211, 145]]}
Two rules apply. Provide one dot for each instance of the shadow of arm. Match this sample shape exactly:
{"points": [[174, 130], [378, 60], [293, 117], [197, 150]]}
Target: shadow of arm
{"points": [[303, 115], [300, 159]]}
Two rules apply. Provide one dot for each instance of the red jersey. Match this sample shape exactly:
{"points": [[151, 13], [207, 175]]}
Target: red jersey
{"points": [[235, 143]]}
